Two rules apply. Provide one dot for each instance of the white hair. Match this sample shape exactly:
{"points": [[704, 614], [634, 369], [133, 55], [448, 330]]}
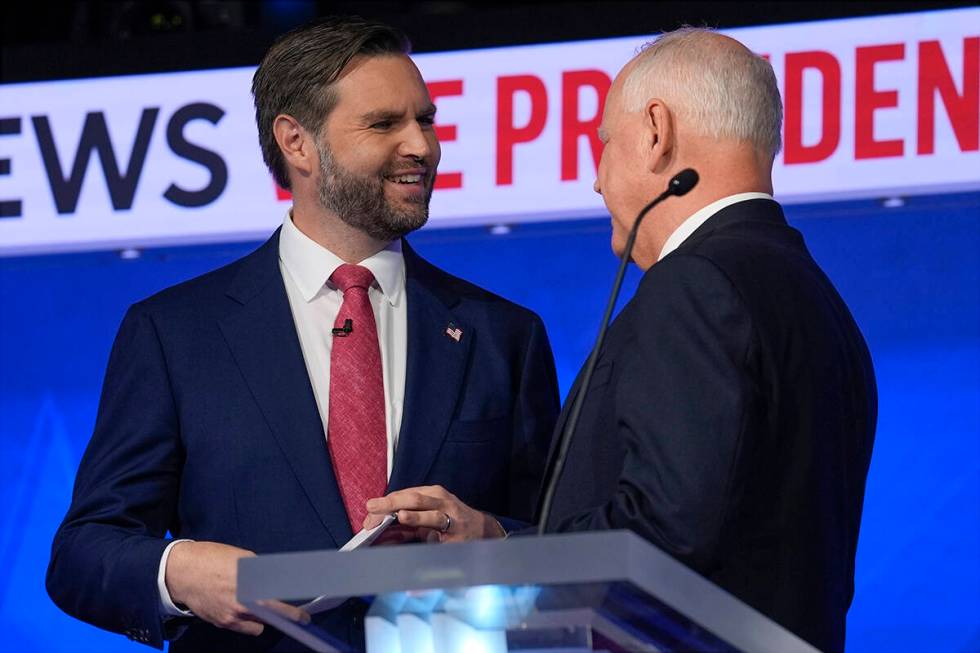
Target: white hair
{"points": [[720, 92]]}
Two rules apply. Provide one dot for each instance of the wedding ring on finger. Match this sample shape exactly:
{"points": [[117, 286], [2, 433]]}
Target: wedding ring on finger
{"points": [[449, 523]]}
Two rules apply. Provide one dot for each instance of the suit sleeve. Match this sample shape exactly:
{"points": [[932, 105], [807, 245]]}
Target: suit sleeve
{"points": [[535, 411], [107, 551], [684, 400]]}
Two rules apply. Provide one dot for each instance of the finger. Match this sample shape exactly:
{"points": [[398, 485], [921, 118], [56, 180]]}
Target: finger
{"points": [[437, 491], [291, 612], [241, 611], [379, 506], [434, 519], [248, 616], [245, 627], [394, 501], [372, 520], [411, 499], [238, 621]]}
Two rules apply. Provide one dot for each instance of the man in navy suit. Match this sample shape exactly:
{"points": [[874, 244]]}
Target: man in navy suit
{"points": [[731, 415], [255, 409]]}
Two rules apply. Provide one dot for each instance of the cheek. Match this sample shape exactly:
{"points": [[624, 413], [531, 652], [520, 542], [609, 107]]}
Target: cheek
{"points": [[368, 156], [625, 180], [435, 148], [615, 189], [617, 165], [357, 160]]}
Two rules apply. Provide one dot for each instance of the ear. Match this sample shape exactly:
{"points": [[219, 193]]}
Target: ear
{"points": [[296, 145], [658, 122]]}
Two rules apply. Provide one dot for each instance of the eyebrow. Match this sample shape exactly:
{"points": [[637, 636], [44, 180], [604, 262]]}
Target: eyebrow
{"points": [[386, 114]]}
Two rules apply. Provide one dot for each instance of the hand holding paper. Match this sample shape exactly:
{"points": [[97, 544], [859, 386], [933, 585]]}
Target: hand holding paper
{"points": [[436, 513]]}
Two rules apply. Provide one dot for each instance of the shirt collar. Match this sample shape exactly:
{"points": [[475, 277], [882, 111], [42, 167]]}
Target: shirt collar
{"points": [[691, 224], [311, 264]]}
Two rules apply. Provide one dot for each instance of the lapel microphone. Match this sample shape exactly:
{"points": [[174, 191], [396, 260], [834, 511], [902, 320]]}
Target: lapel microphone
{"points": [[344, 331], [678, 185]]}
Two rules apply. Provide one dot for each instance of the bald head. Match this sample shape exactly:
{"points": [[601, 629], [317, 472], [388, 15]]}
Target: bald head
{"points": [[716, 85]]}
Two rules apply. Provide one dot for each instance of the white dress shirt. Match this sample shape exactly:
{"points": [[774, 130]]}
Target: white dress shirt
{"points": [[314, 302], [691, 224]]}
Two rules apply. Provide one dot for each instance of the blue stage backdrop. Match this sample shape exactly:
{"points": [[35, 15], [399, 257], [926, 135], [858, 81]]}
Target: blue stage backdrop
{"points": [[911, 275]]}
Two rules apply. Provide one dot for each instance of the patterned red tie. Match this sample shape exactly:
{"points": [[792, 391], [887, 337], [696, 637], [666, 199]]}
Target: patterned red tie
{"points": [[356, 424]]}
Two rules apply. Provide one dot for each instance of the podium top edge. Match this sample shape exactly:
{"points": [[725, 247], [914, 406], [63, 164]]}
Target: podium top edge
{"points": [[556, 559]]}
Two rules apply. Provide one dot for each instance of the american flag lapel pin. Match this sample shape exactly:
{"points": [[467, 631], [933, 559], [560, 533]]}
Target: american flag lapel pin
{"points": [[454, 331]]}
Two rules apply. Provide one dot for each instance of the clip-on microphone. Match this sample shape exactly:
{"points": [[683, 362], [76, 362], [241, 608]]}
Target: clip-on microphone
{"points": [[344, 331]]}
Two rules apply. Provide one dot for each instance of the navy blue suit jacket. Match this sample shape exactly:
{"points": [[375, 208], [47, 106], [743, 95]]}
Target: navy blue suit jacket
{"points": [[730, 421], [208, 429]]}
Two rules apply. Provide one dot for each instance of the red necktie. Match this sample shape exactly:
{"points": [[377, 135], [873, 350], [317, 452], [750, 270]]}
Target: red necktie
{"points": [[356, 434]]}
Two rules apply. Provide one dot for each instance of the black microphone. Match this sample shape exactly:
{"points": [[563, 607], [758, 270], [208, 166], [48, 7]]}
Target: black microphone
{"points": [[678, 185], [344, 331]]}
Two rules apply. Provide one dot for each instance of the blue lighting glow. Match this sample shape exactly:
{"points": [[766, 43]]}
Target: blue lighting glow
{"points": [[910, 275]]}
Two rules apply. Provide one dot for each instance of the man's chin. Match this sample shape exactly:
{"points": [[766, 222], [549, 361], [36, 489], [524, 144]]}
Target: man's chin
{"points": [[617, 244], [410, 212], [406, 223]]}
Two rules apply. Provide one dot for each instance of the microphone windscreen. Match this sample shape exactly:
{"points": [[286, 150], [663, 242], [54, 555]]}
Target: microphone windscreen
{"points": [[683, 181]]}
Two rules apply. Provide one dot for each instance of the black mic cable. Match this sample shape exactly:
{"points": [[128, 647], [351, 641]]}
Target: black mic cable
{"points": [[678, 185]]}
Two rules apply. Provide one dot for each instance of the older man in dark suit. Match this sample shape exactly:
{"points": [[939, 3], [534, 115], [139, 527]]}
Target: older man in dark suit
{"points": [[732, 412], [257, 408]]}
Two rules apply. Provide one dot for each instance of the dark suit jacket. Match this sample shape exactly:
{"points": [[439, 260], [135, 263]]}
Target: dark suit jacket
{"points": [[208, 428], [730, 422]]}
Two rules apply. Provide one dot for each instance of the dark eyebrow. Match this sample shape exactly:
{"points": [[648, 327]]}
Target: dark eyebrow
{"points": [[394, 116], [381, 116]]}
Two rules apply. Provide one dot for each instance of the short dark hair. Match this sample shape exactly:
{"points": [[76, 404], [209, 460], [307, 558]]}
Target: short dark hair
{"points": [[297, 72]]}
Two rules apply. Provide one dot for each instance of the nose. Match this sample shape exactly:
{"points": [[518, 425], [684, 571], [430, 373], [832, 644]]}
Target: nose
{"points": [[416, 142], [596, 187]]}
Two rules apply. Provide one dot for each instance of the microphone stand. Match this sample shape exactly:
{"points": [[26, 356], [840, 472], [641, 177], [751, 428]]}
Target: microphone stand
{"points": [[679, 184]]}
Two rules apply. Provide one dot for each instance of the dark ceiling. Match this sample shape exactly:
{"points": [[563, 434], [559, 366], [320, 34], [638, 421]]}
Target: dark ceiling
{"points": [[55, 40]]}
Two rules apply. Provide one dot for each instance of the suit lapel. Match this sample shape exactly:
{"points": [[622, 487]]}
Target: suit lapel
{"points": [[435, 370], [263, 340]]}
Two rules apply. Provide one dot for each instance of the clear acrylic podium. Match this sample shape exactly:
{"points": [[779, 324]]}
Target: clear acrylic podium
{"points": [[605, 591]]}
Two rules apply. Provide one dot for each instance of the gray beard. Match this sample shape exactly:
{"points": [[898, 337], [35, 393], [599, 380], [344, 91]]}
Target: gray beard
{"points": [[361, 203]]}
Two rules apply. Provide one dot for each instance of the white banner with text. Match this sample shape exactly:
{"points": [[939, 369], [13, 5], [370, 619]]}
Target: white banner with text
{"points": [[874, 107]]}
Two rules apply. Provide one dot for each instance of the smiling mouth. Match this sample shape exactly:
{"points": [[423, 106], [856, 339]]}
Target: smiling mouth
{"points": [[404, 179]]}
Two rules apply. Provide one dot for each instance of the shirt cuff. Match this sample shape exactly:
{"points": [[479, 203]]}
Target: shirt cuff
{"points": [[167, 607]]}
